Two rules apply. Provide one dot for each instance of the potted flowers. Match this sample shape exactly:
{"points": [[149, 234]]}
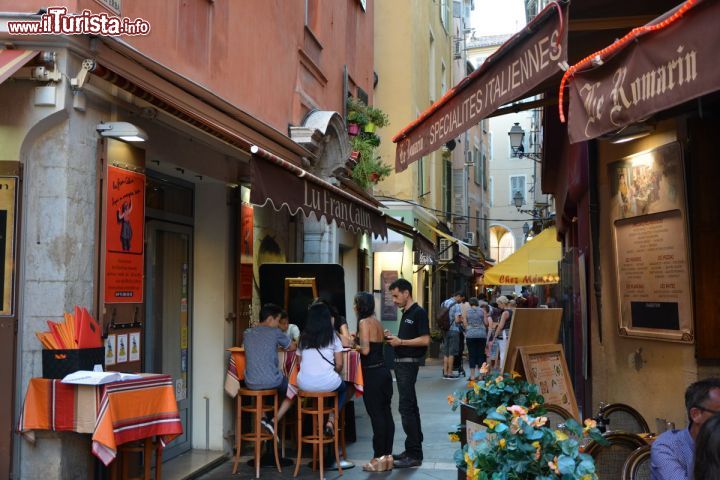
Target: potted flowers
{"points": [[376, 119], [517, 442]]}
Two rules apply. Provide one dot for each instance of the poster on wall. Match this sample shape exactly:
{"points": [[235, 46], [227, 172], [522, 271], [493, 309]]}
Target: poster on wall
{"points": [[125, 236], [246, 252], [651, 248], [389, 309], [8, 210]]}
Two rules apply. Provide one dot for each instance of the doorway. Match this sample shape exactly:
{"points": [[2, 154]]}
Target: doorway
{"points": [[168, 329]]}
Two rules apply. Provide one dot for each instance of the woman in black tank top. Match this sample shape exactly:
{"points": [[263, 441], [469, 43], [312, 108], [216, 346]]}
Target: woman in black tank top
{"points": [[378, 383]]}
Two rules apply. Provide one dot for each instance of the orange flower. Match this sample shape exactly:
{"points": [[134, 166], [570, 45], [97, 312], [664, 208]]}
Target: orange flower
{"points": [[450, 399], [589, 424], [539, 422], [515, 374], [499, 379], [554, 466], [503, 443], [485, 368]]}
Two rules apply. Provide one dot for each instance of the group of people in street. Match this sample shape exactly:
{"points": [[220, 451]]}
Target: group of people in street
{"points": [[483, 326], [319, 347]]}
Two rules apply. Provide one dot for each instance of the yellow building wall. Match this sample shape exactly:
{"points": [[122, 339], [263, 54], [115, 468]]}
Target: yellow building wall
{"points": [[403, 30], [648, 375]]}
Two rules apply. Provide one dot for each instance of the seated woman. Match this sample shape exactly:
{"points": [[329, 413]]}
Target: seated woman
{"points": [[321, 359]]}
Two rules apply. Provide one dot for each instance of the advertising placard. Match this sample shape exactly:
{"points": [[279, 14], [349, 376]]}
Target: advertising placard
{"points": [[125, 236]]}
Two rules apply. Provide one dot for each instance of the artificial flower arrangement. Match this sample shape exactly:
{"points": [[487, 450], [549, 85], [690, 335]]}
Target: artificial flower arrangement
{"points": [[518, 443]]}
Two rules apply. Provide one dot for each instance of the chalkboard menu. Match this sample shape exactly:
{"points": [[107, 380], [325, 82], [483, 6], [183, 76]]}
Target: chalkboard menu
{"points": [[389, 309]]}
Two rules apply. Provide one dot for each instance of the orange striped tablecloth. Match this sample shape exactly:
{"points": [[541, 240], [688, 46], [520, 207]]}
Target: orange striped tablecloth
{"points": [[115, 413], [290, 367]]}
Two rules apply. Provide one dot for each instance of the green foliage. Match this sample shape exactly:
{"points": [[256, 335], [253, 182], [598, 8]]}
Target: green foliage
{"points": [[357, 117], [518, 444], [378, 117]]}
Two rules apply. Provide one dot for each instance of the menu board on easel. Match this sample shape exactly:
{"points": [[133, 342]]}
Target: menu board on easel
{"points": [[545, 366]]}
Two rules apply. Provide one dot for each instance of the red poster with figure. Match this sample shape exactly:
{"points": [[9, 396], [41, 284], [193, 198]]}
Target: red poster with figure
{"points": [[246, 251], [124, 236]]}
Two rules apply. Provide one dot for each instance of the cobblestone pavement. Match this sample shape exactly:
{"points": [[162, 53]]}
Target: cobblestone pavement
{"points": [[437, 420]]}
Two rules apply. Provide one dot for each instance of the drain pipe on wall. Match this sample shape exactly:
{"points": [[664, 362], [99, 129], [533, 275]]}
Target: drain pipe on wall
{"points": [[207, 422]]}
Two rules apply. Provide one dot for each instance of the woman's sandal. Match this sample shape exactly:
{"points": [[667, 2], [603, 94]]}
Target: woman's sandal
{"points": [[387, 461], [375, 465]]}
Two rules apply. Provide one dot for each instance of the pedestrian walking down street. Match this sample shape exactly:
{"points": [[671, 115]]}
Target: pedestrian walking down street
{"points": [[378, 383], [451, 337], [410, 347], [476, 327]]}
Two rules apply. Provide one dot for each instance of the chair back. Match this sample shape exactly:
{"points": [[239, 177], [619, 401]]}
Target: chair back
{"points": [[624, 418], [556, 415], [610, 459], [637, 465]]}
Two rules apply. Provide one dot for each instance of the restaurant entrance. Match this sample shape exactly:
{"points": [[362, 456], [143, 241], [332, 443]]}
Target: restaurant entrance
{"points": [[168, 331]]}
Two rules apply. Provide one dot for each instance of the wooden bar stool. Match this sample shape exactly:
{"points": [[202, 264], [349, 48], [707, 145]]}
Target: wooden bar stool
{"points": [[258, 409], [317, 437], [120, 468]]}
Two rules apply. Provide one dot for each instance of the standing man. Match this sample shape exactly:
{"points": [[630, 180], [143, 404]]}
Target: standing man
{"points": [[410, 347]]}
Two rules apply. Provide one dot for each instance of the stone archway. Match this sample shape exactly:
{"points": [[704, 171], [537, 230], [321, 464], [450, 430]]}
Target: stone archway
{"points": [[324, 133]]}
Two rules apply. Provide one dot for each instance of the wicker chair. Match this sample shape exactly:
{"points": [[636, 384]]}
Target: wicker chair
{"points": [[556, 415], [623, 418], [610, 459], [637, 465]]}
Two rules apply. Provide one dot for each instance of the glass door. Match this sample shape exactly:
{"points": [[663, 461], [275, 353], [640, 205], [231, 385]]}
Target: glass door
{"points": [[168, 327]]}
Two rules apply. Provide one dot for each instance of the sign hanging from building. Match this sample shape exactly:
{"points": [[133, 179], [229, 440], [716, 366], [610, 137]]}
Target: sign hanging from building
{"points": [[124, 236], [282, 188], [531, 56], [655, 71]]}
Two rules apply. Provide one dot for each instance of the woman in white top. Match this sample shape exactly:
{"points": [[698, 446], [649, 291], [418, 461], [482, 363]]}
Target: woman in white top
{"points": [[321, 360]]}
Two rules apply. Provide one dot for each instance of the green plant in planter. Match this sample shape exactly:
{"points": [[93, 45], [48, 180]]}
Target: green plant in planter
{"points": [[521, 446], [378, 117], [518, 444], [357, 117], [493, 390]]}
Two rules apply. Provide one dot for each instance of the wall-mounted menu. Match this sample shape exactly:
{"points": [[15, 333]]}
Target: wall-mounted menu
{"points": [[652, 268]]}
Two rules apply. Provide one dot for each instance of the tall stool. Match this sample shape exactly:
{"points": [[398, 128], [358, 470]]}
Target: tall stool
{"points": [[317, 437], [258, 409], [120, 468]]}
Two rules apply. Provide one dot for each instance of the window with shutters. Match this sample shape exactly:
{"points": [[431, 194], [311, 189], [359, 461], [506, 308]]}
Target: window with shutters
{"points": [[491, 192], [479, 167], [458, 187], [485, 172], [517, 184], [444, 15], [447, 189]]}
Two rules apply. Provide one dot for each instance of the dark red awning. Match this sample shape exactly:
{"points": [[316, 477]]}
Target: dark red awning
{"points": [[669, 61], [532, 55], [284, 185]]}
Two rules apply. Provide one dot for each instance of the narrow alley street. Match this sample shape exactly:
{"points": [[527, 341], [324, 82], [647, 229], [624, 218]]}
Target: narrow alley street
{"points": [[437, 417]]}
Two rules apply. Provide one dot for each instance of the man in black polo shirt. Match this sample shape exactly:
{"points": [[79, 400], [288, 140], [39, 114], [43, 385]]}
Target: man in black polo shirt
{"points": [[410, 346]]}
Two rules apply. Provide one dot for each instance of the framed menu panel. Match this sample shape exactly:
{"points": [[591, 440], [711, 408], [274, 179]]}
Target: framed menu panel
{"points": [[545, 366], [650, 245]]}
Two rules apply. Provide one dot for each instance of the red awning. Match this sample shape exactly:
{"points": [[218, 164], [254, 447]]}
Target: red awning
{"points": [[13, 60], [669, 61], [532, 55]]}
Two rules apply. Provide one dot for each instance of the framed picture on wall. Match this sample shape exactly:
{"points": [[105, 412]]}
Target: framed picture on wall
{"points": [[650, 243]]}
